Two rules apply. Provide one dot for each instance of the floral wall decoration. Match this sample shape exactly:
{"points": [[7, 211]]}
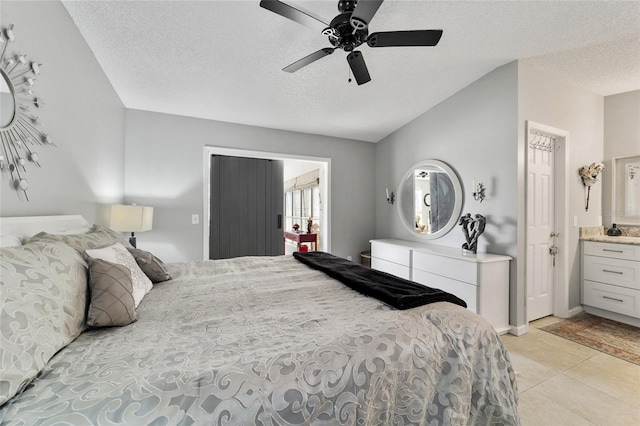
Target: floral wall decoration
{"points": [[589, 175]]}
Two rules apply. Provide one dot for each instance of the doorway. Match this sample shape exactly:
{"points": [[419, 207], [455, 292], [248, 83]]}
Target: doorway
{"points": [[546, 265], [324, 164]]}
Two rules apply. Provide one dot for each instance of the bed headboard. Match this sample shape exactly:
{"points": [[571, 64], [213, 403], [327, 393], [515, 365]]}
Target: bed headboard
{"points": [[30, 225]]}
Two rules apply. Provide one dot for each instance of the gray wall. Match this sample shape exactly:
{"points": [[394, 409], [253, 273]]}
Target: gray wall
{"points": [[548, 100], [82, 113], [621, 138], [164, 169], [479, 132], [475, 132]]}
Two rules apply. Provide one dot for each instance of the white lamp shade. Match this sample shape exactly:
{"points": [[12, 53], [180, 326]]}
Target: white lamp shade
{"points": [[126, 218]]}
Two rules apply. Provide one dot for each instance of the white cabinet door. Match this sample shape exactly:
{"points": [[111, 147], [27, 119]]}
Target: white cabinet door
{"points": [[612, 298], [464, 291], [390, 268]]}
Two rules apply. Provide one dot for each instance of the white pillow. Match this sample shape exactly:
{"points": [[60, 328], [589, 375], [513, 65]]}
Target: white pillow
{"points": [[83, 229], [118, 254], [10, 240]]}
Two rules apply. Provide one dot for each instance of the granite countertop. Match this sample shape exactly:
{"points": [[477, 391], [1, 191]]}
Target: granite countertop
{"points": [[617, 240], [598, 233]]}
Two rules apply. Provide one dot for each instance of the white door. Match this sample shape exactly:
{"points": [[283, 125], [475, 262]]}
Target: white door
{"points": [[540, 226]]}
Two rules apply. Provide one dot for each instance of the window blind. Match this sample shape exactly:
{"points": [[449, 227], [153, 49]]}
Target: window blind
{"points": [[307, 180]]}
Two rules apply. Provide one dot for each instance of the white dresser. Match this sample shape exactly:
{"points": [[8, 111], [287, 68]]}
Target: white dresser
{"points": [[611, 281], [481, 280]]}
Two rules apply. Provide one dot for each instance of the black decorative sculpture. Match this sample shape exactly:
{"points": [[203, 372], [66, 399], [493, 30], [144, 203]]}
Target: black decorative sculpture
{"points": [[472, 228]]}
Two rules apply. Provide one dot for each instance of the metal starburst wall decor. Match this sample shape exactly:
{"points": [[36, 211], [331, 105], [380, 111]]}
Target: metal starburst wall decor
{"points": [[20, 133]]}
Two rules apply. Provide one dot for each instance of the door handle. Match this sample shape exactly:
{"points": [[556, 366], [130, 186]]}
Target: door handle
{"points": [[553, 251]]}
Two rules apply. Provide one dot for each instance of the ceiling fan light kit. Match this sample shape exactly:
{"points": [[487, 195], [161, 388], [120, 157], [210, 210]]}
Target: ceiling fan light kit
{"points": [[348, 31]]}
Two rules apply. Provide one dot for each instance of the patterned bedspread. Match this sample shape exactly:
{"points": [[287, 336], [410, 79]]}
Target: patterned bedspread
{"points": [[269, 341]]}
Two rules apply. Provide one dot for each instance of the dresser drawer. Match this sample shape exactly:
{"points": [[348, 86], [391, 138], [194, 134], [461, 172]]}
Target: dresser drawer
{"points": [[446, 267], [625, 273], [466, 292], [391, 253], [390, 268], [612, 298], [618, 251]]}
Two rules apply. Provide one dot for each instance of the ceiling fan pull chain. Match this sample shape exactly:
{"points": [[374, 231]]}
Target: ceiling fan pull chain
{"points": [[349, 71]]}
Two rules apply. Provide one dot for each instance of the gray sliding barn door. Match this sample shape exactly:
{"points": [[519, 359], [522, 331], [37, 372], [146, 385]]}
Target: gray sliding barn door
{"points": [[246, 197]]}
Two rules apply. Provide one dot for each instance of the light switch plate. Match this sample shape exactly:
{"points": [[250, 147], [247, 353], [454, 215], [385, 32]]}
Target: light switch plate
{"points": [[195, 219]]}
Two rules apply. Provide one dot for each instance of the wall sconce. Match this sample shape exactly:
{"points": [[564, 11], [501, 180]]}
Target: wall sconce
{"points": [[478, 191], [131, 219], [390, 196]]}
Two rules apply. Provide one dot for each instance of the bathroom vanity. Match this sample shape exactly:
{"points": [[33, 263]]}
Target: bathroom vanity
{"points": [[611, 278]]}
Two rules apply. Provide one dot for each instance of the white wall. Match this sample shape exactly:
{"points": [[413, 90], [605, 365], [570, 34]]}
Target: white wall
{"points": [[621, 138], [82, 113], [548, 100], [164, 157], [475, 132]]}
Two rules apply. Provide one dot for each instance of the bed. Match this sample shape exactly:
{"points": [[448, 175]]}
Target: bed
{"points": [[258, 340]]}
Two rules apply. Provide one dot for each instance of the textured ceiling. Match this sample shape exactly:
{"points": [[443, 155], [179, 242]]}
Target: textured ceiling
{"points": [[223, 60]]}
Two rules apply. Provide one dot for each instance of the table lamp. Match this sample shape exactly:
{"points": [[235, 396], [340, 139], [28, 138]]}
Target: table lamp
{"points": [[131, 218]]}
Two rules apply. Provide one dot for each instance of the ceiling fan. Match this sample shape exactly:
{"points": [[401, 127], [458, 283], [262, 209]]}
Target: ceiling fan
{"points": [[348, 31]]}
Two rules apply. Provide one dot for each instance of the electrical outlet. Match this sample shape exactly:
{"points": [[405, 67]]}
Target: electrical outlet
{"points": [[195, 219], [349, 258]]}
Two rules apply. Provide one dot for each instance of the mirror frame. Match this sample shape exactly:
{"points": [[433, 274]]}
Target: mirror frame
{"points": [[14, 100], [618, 216], [457, 208]]}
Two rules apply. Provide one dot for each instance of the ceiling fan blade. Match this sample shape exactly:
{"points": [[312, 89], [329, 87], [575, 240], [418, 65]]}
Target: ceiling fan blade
{"points": [[363, 13], [308, 59], [294, 14], [405, 38], [358, 67]]}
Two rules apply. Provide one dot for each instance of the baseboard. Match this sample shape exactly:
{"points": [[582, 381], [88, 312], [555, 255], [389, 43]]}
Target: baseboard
{"points": [[575, 311], [613, 316], [519, 330]]}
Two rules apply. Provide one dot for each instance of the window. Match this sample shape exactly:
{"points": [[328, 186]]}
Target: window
{"points": [[300, 205]]}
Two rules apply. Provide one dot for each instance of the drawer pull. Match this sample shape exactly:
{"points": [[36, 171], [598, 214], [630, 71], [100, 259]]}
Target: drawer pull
{"points": [[612, 272], [613, 298], [614, 251]]}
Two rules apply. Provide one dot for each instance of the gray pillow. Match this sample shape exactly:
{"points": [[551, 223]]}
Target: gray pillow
{"points": [[111, 292], [98, 237], [152, 266], [44, 295]]}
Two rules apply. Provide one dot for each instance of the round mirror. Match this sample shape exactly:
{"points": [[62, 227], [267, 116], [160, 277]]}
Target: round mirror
{"points": [[430, 199], [7, 101]]}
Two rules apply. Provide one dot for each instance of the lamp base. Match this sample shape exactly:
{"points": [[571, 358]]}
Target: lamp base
{"points": [[132, 240]]}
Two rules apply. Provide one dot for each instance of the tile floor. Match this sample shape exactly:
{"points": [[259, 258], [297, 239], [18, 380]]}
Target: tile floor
{"points": [[564, 383]]}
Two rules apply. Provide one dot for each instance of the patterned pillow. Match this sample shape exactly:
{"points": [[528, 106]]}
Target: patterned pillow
{"points": [[98, 237], [111, 289], [116, 253], [42, 309], [152, 266]]}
